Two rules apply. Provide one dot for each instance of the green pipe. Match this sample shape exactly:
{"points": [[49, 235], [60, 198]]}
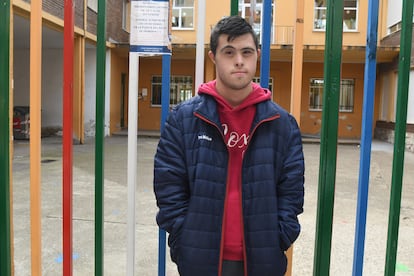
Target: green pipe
{"points": [[234, 7], [99, 143], [329, 137], [399, 142], [5, 243]]}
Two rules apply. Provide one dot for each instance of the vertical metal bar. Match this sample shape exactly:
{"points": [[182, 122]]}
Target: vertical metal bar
{"points": [[67, 155], [399, 142], [165, 109], [99, 143], [35, 135], [366, 138], [329, 137], [132, 158], [5, 235], [297, 62], [200, 48], [234, 7], [265, 41]]}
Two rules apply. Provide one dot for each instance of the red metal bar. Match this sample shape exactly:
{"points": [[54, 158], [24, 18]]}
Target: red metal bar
{"points": [[68, 50]]}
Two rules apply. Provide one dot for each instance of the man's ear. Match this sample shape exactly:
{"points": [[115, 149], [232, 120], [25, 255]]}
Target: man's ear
{"points": [[211, 56], [258, 53]]}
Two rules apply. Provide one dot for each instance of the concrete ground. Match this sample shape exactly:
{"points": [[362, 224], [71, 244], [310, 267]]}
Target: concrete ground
{"points": [[146, 261]]}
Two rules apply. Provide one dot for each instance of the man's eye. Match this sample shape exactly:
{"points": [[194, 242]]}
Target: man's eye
{"points": [[229, 52], [247, 52]]}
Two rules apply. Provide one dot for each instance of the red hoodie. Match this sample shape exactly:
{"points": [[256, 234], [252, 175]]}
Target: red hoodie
{"points": [[236, 123]]}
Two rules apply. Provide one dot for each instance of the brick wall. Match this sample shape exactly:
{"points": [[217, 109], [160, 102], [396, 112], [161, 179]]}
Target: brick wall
{"points": [[114, 22], [384, 131], [113, 17]]}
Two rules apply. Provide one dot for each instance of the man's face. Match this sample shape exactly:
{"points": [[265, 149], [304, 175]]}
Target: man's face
{"points": [[235, 62]]}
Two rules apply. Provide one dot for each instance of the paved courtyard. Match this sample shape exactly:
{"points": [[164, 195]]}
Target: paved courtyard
{"points": [[115, 210]]}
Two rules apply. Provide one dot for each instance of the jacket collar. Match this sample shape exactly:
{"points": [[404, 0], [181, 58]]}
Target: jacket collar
{"points": [[207, 108]]}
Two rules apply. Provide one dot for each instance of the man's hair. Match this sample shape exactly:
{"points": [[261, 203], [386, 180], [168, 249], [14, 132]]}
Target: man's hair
{"points": [[233, 26]]}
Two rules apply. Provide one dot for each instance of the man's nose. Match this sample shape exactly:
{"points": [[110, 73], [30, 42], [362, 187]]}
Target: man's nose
{"points": [[239, 59]]}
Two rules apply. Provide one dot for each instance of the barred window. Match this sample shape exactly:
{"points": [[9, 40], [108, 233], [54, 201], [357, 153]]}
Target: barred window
{"points": [[270, 87], [181, 89], [346, 96]]}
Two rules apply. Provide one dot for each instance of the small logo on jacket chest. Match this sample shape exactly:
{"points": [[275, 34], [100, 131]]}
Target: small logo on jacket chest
{"points": [[204, 137]]}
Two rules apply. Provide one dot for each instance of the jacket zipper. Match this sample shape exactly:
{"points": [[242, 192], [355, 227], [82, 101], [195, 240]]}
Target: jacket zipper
{"points": [[240, 192], [241, 185]]}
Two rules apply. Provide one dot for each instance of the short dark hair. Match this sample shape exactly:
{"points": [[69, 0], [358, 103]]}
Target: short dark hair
{"points": [[233, 26]]}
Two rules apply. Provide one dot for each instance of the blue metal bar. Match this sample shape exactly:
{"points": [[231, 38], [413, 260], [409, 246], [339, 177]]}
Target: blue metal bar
{"points": [[265, 41], [366, 138], [165, 109]]}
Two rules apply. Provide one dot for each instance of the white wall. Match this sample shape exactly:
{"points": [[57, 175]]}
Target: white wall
{"points": [[21, 77], [90, 92], [410, 111], [52, 87], [52, 84], [394, 12]]}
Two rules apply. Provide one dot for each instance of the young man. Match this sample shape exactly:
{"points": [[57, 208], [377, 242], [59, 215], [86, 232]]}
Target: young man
{"points": [[229, 169]]}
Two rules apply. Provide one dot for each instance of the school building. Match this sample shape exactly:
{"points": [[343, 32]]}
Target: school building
{"points": [[296, 63]]}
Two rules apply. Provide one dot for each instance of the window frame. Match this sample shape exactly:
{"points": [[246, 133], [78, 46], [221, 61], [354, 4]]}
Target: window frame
{"points": [[271, 83], [346, 97], [319, 20], [179, 91], [181, 9], [257, 27], [126, 15]]}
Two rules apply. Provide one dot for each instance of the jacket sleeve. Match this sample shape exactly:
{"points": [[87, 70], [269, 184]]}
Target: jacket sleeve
{"points": [[170, 179], [291, 187]]}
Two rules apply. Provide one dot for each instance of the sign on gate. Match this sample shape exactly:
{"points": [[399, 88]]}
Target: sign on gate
{"points": [[150, 27]]}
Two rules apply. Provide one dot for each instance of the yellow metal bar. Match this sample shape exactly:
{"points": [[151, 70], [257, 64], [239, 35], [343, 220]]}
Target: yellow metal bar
{"points": [[297, 62], [35, 135]]}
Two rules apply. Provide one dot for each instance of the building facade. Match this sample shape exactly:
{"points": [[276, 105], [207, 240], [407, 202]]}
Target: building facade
{"points": [[283, 65], [388, 79], [294, 81]]}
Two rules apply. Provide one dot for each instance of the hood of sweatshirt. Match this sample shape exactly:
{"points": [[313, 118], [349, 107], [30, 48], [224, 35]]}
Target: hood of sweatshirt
{"points": [[257, 95]]}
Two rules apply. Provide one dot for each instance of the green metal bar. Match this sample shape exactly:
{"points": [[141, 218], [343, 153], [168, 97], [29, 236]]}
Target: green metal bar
{"points": [[99, 143], [5, 243], [234, 7], [329, 137], [399, 142]]}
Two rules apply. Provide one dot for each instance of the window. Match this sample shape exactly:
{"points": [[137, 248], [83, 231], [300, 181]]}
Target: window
{"points": [[350, 15], [126, 15], [252, 12], [93, 5], [346, 96], [395, 28], [257, 80], [183, 14], [181, 89]]}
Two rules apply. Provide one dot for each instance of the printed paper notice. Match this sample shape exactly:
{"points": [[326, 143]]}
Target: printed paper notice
{"points": [[150, 27]]}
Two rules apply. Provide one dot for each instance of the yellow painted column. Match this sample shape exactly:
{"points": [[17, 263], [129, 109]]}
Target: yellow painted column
{"points": [[296, 86], [297, 63], [79, 88], [35, 135]]}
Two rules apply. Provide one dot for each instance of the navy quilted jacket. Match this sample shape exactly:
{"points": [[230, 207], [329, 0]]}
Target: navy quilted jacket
{"points": [[190, 171]]}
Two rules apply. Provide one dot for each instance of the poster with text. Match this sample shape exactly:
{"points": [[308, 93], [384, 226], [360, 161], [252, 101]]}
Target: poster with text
{"points": [[150, 32]]}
